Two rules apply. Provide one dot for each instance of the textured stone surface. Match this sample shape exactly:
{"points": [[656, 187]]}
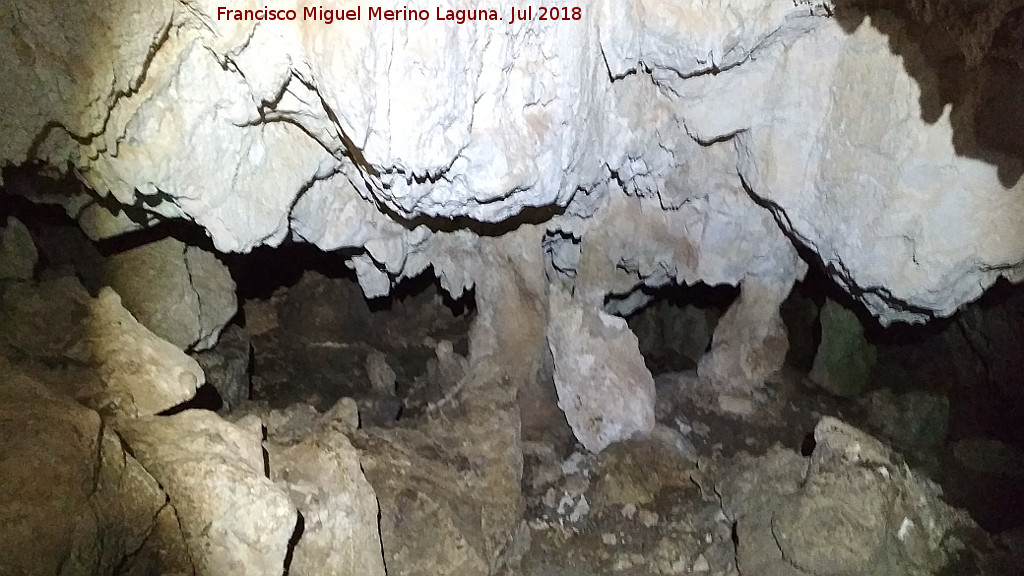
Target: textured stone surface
{"points": [[233, 518], [103, 356], [603, 386], [844, 360], [182, 293], [673, 103], [227, 367], [853, 507], [71, 501], [18, 254], [750, 341], [323, 477]]}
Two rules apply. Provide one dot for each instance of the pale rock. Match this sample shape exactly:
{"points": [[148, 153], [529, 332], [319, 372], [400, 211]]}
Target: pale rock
{"points": [[99, 223], [905, 223], [340, 536], [233, 518], [603, 386], [677, 142], [95, 505], [182, 293], [113, 364], [749, 343], [18, 254]]}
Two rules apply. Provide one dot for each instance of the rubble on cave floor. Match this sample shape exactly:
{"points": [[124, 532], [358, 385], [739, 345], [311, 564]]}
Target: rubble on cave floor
{"points": [[789, 490]]}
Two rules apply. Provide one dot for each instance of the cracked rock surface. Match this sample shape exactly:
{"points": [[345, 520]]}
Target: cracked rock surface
{"points": [[361, 134], [182, 293], [92, 349], [72, 501]]}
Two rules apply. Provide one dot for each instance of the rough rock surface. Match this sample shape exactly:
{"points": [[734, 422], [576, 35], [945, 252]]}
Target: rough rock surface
{"points": [[71, 501], [750, 341], [856, 509], [340, 535], [845, 358], [227, 367], [233, 518], [683, 105], [93, 350], [18, 254], [603, 386], [182, 293], [448, 484]]}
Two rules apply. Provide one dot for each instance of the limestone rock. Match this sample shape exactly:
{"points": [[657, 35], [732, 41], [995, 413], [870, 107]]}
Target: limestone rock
{"points": [[182, 293], [48, 525], [105, 358], [914, 422], [18, 255], [449, 488], [227, 365], [382, 377], [71, 501], [603, 386], [234, 520], [854, 508], [340, 535], [750, 341], [127, 501], [714, 136], [844, 360]]}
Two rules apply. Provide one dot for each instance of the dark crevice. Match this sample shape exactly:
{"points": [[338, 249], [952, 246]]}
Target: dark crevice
{"points": [[807, 445], [300, 527], [206, 398]]}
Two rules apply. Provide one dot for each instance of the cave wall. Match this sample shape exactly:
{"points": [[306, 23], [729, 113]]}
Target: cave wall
{"points": [[673, 141]]}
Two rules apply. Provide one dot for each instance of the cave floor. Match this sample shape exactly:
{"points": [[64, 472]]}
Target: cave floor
{"points": [[653, 506]]}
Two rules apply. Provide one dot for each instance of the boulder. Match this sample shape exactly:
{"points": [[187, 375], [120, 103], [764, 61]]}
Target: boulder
{"points": [[842, 365], [93, 350], [72, 502], [235, 521], [339, 531], [604, 388], [184, 294]]}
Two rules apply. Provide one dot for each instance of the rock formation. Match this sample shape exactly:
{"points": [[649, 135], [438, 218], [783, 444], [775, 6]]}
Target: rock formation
{"points": [[750, 133]]}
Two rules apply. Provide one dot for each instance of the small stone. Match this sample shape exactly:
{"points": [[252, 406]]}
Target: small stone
{"points": [[572, 464], [382, 376], [580, 511], [609, 539], [735, 404], [701, 564], [565, 503], [576, 485], [648, 518], [550, 498], [628, 511]]}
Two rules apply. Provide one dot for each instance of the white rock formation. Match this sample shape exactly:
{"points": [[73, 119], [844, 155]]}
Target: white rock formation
{"points": [[603, 387], [674, 141]]}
